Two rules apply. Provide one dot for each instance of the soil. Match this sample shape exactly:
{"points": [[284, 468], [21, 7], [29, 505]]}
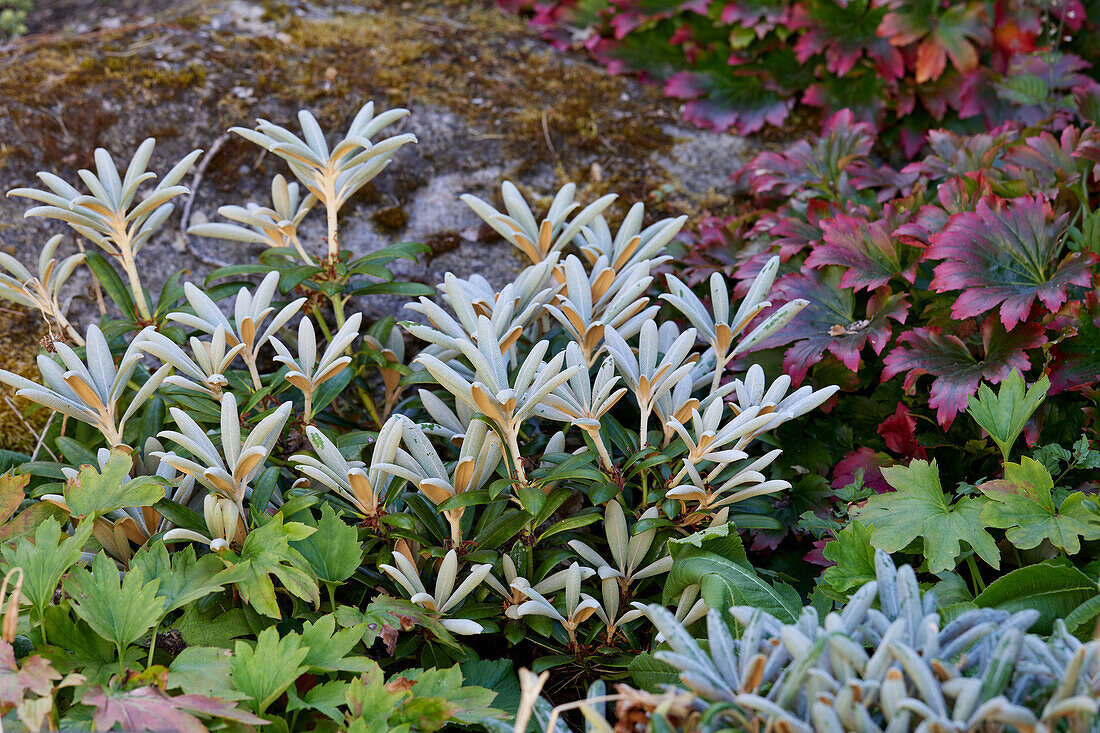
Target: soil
{"points": [[489, 101]]}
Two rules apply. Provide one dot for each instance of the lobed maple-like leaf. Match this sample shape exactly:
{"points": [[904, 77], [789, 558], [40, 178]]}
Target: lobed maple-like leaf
{"points": [[951, 154], [955, 195], [959, 367], [724, 98], [842, 142], [941, 34], [868, 249], [844, 34], [918, 509], [150, 708], [1076, 363], [869, 462], [760, 16], [829, 322], [789, 230], [36, 676], [1006, 255], [1022, 503], [632, 14], [1053, 162], [851, 557]]}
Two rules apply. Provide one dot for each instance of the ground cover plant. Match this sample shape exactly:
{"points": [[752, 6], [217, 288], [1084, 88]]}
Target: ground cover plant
{"points": [[744, 64], [258, 518], [250, 508]]}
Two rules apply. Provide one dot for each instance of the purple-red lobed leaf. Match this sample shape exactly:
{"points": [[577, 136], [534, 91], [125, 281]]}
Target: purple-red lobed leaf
{"points": [[868, 249], [829, 323], [959, 366], [1006, 255]]}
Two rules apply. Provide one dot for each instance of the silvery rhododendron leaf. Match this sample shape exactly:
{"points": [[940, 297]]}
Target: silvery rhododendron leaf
{"points": [[960, 366], [868, 249], [538, 240], [331, 174], [89, 390], [1007, 255], [274, 226], [107, 215], [41, 290]]}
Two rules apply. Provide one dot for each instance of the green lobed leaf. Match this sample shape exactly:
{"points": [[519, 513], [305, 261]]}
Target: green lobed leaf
{"points": [[118, 611], [265, 671], [94, 493], [918, 509], [1022, 503]]}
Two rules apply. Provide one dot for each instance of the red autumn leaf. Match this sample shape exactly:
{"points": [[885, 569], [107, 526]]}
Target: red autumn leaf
{"points": [[868, 249], [1053, 162], [844, 34], [1006, 254], [868, 461], [150, 708], [943, 34], [759, 15], [36, 676], [829, 322], [722, 98], [816, 556], [842, 142], [959, 367], [900, 433], [954, 155], [1076, 363]]}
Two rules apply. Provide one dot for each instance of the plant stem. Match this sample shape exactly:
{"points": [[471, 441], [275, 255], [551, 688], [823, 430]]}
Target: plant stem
{"points": [[42, 625], [331, 595], [719, 369], [130, 267], [338, 310], [333, 233], [643, 425], [368, 402], [152, 645], [975, 576], [250, 360]]}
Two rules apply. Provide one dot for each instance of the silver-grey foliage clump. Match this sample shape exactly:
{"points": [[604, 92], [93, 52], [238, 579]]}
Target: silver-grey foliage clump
{"points": [[889, 668]]}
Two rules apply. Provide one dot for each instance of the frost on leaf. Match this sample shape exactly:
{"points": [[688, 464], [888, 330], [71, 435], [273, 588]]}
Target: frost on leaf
{"points": [[868, 249], [958, 366], [830, 322], [1006, 256]]}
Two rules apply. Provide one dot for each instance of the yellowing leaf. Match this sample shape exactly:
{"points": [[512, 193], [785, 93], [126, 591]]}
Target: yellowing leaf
{"points": [[1021, 502]]}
